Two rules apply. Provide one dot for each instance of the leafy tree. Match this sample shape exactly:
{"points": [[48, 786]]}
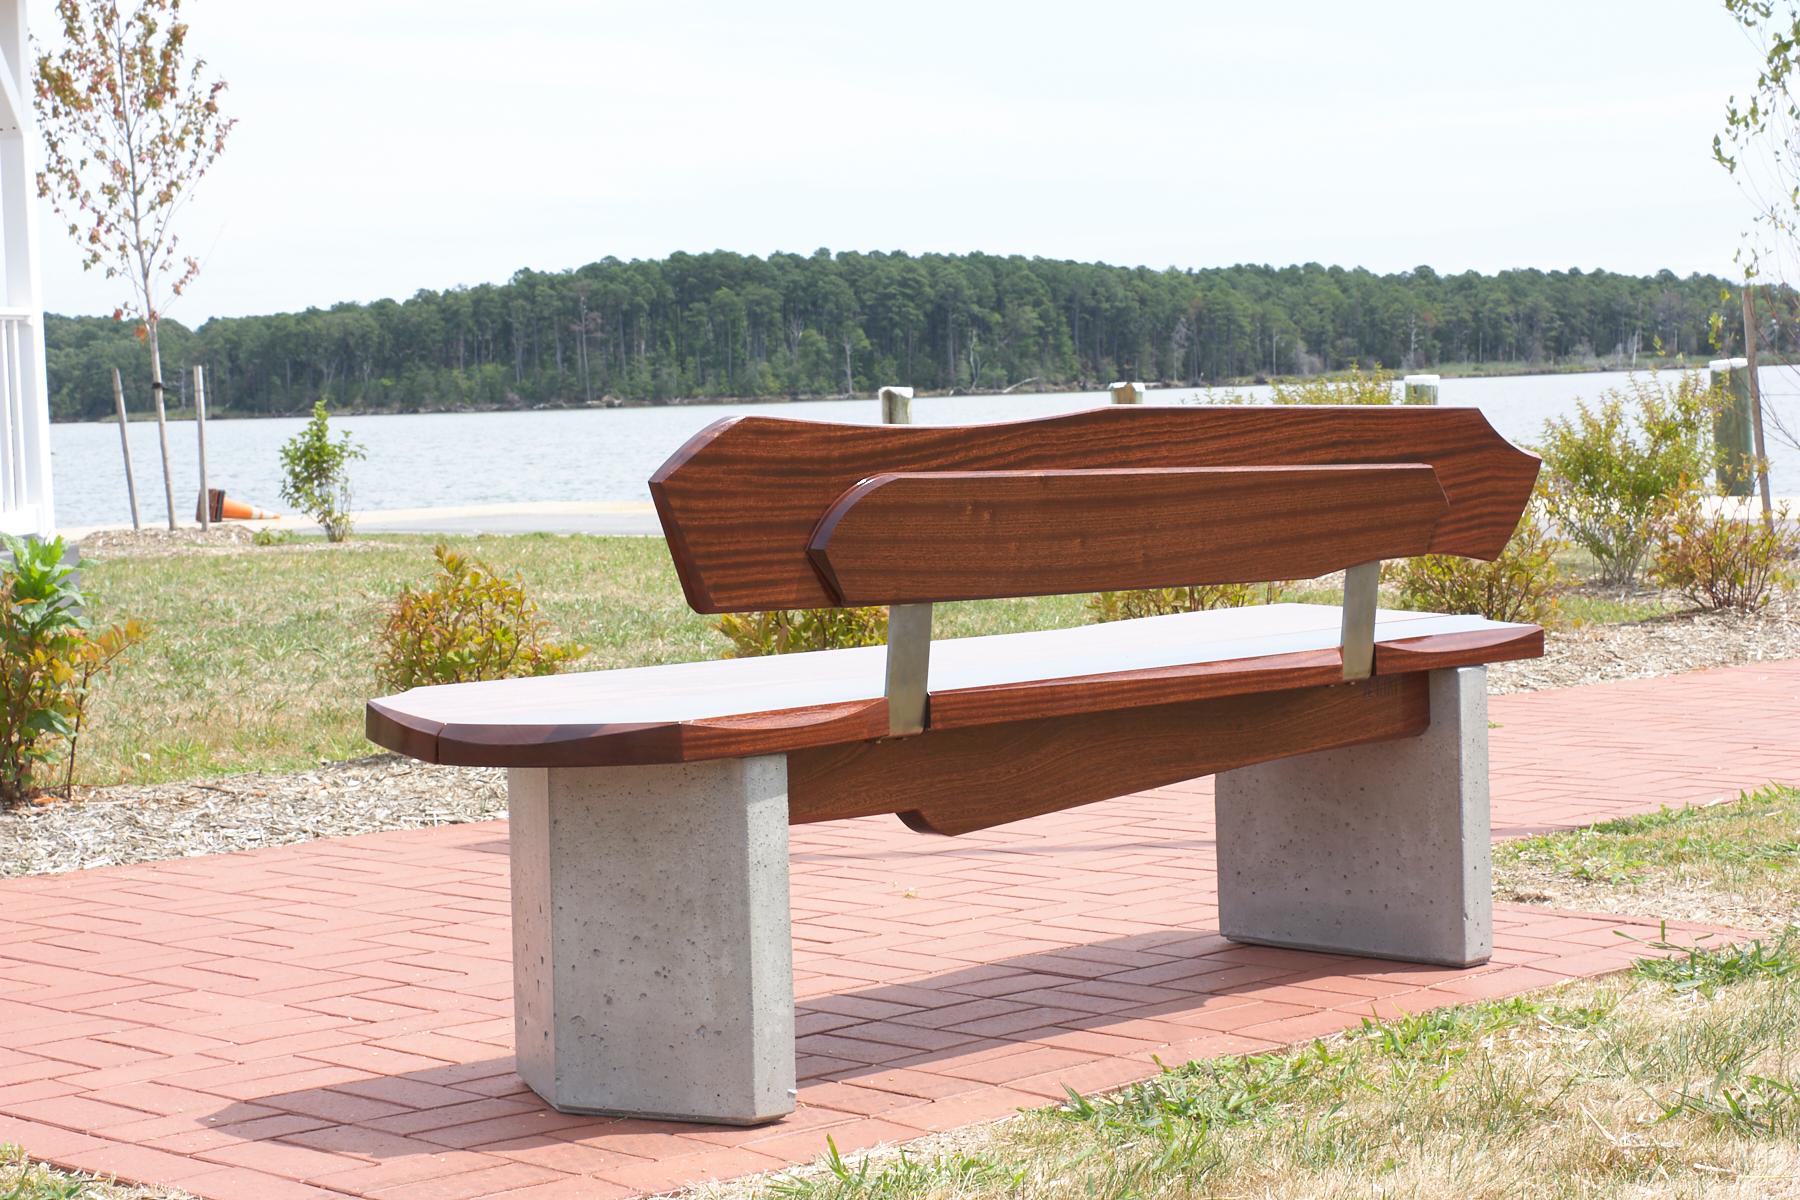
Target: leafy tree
{"points": [[728, 325], [129, 126], [317, 472], [1758, 147]]}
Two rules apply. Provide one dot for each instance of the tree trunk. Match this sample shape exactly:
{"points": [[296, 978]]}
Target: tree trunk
{"points": [[162, 421], [200, 433]]}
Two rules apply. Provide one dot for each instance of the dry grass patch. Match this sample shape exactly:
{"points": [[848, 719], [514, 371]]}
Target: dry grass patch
{"points": [[1680, 1080], [1734, 864], [23, 1179]]}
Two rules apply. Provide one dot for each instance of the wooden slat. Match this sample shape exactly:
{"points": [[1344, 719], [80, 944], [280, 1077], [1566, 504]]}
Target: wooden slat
{"points": [[960, 708], [977, 535], [523, 743], [1459, 649], [741, 499], [957, 781]]}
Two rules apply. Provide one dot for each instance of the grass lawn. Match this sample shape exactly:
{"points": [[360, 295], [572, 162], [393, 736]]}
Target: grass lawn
{"points": [[261, 659], [22, 1179], [1732, 864]]}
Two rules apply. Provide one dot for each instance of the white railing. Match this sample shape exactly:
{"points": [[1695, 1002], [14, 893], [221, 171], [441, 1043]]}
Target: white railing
{"points": [[25, 500]]}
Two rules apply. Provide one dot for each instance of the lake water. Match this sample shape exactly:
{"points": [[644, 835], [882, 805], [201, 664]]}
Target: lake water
{"points": [[425, 460]]}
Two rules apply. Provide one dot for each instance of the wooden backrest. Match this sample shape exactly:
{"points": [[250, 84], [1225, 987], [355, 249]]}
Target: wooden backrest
{"points": [[765, 513]]}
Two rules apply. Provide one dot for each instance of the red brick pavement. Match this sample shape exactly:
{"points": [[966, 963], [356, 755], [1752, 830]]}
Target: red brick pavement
{"points": [[334, 1018]]}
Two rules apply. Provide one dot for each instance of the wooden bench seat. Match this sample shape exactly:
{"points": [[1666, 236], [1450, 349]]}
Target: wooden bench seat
{"points": [[649, 808], [728, 708]]}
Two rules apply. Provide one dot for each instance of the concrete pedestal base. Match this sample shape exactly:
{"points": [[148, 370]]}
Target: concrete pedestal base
{"points": [[652, 956], [1380, 850]]}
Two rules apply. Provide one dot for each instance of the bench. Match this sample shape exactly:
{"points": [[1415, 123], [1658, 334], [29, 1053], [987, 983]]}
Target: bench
{"points": [[650, 807]]}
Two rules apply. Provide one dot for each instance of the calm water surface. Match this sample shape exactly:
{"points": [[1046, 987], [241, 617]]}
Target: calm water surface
{"points": [[425, 460]]}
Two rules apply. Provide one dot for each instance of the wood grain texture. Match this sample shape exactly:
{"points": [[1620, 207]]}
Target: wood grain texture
{"points": [[958, 781], [960, 708], [740, 501], [1459, 649], [980, 535], [528, 744], [736, 707]]}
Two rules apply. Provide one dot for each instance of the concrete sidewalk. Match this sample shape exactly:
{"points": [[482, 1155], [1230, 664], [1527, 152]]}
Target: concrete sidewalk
{"points": [[611, 518], [548, 516], [334, 1018]]}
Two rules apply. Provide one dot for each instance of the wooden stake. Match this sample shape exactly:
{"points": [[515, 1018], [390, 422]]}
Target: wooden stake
{"points": [[162, 438], [200, 426], [896, 405], [1756, 416], [125, 445]]}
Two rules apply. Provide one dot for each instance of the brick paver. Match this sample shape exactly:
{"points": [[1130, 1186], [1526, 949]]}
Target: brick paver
{"points": [[334, 1018]]}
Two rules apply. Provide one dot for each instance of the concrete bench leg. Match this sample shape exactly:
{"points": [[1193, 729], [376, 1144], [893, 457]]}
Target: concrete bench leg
{"points": [[1380, 850], [652, 956]]}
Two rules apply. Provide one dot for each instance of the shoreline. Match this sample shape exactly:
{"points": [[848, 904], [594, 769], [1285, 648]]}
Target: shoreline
{"points": [[1508, 370], [594, 518]]}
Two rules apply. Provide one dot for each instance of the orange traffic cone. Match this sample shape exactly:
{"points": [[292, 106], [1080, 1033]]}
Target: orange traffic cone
{"points": [[220, 507]]}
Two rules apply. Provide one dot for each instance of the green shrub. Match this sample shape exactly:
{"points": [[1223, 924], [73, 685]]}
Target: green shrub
{"points": [[794, 631], [1521, 585], [318, 474], [471, 623], [1160, 602], [1609, 469], [50, 659], [1722, 556], [1356, 386]]}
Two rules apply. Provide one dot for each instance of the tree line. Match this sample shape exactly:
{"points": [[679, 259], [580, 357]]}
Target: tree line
{"points": [[721, 324]]}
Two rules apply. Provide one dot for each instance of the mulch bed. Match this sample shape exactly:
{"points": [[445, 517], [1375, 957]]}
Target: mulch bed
{"points": [[1672, 644]]}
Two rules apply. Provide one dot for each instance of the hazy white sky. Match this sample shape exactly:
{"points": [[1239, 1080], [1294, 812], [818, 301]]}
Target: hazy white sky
{"points": [[390, 145]]}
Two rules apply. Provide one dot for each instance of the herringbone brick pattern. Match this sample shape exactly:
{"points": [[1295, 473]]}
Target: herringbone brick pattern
{"points": [[334, 1018]]}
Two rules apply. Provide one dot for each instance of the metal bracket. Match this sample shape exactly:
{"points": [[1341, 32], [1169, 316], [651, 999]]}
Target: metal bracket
{"points": [[1362, 589], [908, 668]]}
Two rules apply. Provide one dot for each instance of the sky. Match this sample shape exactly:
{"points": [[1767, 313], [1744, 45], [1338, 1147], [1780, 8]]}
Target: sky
{"points": [[385, 146]]}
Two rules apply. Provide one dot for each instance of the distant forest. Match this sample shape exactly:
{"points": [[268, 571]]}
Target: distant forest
{"points": [[694, 326]]}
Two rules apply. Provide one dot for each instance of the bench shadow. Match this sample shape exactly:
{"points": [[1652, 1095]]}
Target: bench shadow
{"points": [[1090, 987]]}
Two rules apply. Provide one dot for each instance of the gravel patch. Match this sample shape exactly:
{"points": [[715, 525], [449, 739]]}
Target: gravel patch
{"points": [[103, 827]]}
